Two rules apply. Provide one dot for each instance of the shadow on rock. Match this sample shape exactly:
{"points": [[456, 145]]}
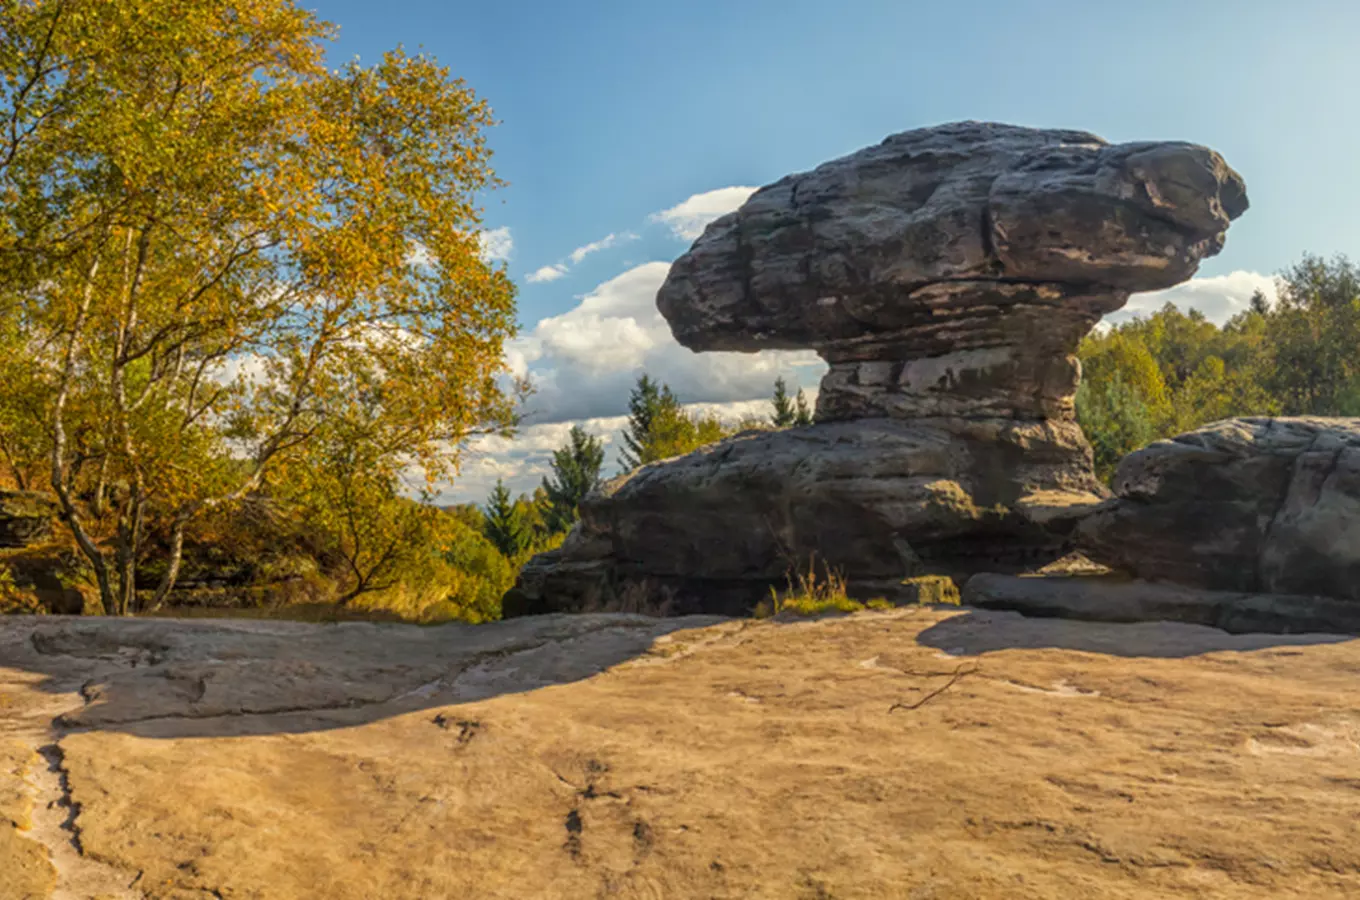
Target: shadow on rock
{"points": [[985, 631], [175, 678]]}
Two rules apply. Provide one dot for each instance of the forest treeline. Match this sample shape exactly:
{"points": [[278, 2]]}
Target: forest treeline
{"points": [[1163, 374]]}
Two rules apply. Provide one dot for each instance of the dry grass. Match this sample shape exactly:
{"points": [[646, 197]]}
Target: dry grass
{"points": [[814, 592]]}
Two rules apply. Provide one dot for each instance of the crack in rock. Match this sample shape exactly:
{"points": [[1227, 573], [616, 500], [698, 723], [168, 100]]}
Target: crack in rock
{"points": [[56, 827]]}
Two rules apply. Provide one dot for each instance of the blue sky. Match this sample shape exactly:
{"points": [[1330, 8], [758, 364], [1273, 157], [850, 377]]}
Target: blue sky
{"points": [[614, 111]]}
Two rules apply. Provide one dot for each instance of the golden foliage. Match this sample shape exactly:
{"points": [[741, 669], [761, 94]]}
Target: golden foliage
{"points": [[214, 247]]}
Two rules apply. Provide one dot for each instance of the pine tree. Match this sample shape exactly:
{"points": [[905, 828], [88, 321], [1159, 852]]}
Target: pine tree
{"points": [[802, 412], [653, 413], [505, 526], [643, 404], [660, 428], [575, 473], [1259, 304], [784, 414]]}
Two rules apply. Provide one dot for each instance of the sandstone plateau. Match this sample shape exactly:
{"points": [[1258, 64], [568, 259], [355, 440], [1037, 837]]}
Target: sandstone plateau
{"points": [[946, 275], [918, 753]]}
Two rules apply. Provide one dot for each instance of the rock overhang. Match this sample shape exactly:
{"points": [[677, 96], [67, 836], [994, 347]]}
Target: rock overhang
{"points": [[860, 248]]}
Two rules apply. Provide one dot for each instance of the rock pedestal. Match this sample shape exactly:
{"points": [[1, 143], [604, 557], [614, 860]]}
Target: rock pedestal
{"points": [[946, 276]]}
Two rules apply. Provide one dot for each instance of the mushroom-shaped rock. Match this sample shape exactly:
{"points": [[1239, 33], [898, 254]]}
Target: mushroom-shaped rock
{"points": [[947, 275], [952, 270]]}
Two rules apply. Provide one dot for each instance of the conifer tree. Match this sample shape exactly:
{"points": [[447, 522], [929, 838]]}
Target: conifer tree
{"points": [[1259, 304], [660, 428], [784, 413], [505, 525], [575, 473], [642, 407], [802, 411], [649, 406]]}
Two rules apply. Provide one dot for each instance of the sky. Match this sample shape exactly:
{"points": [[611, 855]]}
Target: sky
{"points": [[625, 125]]}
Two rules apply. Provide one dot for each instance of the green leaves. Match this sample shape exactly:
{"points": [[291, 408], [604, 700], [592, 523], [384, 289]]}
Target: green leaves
{"points": [[659, 428], [789, 412], [506, 526], [784, 413], [1173, 371]]}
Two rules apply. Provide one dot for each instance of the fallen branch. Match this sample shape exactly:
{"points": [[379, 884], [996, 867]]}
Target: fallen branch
{"points": [[958, 673]]}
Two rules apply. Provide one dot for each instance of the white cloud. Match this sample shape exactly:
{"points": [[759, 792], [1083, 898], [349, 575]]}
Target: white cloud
{"points": [[688, 220], [419, 255], [547, 273], [1219, 297], [584, 362], [557, 270], [604, 243], [497, 244], [523, 461]]}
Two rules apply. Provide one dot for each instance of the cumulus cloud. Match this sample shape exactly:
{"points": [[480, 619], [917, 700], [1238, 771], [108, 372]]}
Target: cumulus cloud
{"points": [[1219, 297], [524, 460], [687, 220], [583, 363]]}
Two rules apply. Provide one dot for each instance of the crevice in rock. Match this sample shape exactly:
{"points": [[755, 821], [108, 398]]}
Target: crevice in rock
{"points": [[56, 826], [56, 764]]}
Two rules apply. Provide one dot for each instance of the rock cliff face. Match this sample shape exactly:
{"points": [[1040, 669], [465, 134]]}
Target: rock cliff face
{"points": [[1258, 505], [947, 276]]}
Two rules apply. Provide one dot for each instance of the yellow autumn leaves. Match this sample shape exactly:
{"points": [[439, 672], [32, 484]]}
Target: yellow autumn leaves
{"points": [[204, 229]]}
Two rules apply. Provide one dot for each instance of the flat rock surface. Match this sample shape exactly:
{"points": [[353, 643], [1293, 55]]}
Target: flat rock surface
{"points": [[917, 753]]}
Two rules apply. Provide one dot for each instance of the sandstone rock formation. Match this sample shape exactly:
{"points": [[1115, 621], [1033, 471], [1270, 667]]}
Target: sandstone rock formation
{"points": [[908, 754], [882, 499], [946, 275], [952, 270], [1254, 505]]}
